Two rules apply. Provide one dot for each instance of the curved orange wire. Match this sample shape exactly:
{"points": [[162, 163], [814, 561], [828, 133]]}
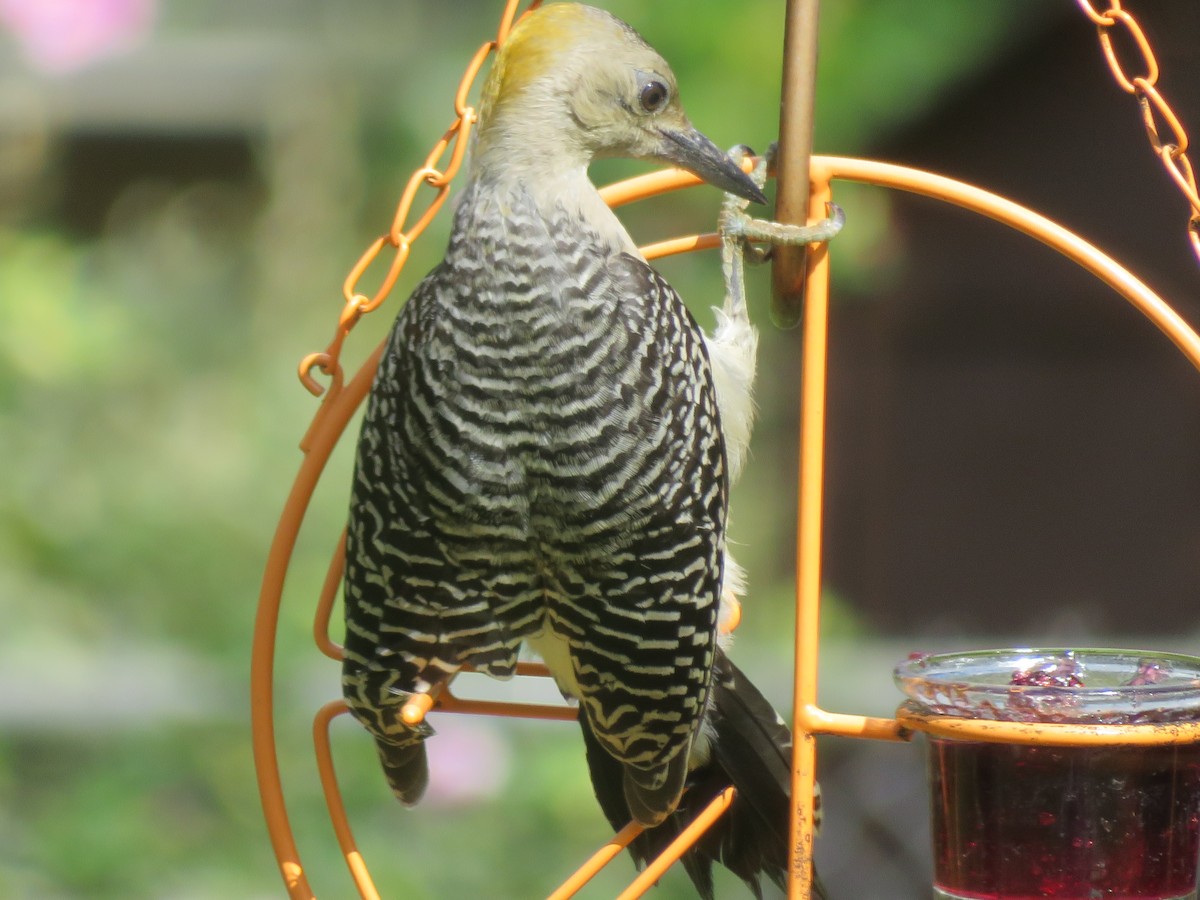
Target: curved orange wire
{"points": [[350, 285], [329, 592], [1057, 734], [1179, 167], [1152, 103], [461, 142], [468, 79], [323, 361], [333, 799], [506, 21], [339, 405], [1115, 15], [330, 421], [341, 400], [1027, 222], [687, 244], [809, 718], [1098, 18]]}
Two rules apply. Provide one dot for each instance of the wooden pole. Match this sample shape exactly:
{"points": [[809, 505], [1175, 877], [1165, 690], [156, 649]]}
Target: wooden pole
{"points": [[795, 148]]}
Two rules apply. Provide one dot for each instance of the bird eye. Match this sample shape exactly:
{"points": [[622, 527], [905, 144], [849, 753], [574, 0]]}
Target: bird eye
{"points": [[654, 96]]}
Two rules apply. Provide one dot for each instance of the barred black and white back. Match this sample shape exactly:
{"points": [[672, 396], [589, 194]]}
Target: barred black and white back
{"points": [[541, 460]]}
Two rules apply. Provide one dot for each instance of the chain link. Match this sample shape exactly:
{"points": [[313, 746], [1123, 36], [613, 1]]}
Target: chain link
{"points": [[401, 235], [1166, 134]]}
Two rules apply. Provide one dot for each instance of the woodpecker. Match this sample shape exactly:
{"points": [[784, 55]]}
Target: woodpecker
{"points": [[545, 460]]}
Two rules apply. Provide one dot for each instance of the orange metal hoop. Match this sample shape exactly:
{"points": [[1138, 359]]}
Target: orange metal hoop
{"points": [[1167, 138], [809, 719]]}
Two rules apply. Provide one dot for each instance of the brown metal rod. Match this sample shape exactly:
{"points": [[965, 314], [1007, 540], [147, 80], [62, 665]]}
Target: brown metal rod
{"points": [[795, 148]]}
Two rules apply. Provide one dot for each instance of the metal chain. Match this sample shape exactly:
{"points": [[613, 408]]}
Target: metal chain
{"points": [[401, 235], [1167, 137]]}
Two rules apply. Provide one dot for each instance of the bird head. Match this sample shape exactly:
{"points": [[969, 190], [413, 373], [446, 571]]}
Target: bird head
{"points": [[573, 83]]}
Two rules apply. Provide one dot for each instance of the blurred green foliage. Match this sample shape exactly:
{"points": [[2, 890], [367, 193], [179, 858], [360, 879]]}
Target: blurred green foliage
{"points": [[149, 417]]}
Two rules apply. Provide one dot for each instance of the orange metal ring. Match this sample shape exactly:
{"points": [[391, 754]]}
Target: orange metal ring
{"points": [[329, 591], [333, 799], [393, 273], [1053, 734], [1179, 167], [675, 246], [1151, 102], [462, 134], [304, 370], [506, 20], [1098, 18], [1143, 45], [408, 195], [350, 285], [809, 719], [468, 79], [353, 311], [432, 174], [404, 238]]}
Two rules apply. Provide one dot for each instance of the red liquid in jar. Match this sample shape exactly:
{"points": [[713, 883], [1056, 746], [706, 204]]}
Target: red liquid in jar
{"points": [[1074, 823]]}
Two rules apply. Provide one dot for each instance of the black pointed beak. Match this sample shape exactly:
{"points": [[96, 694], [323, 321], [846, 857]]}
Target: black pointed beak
{"points": [[691, 150]]}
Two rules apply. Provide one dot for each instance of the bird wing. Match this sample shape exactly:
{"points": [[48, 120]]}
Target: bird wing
{"points": [[431, 584], [642, 621]]}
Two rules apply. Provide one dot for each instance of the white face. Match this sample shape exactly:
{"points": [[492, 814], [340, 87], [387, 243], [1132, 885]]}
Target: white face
{"points": [[573, 84], [625, 105]]}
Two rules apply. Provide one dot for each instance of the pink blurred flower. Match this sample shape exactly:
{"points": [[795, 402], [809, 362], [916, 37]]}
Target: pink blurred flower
{"points": [[468, 761], [61, 36]]}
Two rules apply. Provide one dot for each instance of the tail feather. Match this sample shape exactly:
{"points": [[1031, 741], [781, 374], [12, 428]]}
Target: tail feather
{"points": [[406, 768], [750, 747], [607, 782], [753, 744]]}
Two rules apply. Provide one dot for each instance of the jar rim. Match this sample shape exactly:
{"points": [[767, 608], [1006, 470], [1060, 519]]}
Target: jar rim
{"points": [[1118, 686]]}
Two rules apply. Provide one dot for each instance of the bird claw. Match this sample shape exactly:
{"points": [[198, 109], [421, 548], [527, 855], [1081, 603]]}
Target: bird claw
{"points": [[779, 234], [735, 225]]}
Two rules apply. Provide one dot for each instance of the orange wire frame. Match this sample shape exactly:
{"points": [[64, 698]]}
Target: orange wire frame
{"points": [[809, 719], [343, 399]]}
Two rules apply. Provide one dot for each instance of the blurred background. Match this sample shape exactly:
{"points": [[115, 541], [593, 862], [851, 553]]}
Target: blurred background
{"points": [[1012, 449]]}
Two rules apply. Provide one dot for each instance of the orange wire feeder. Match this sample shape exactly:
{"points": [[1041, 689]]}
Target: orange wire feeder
{"points": [[343, 398]]}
